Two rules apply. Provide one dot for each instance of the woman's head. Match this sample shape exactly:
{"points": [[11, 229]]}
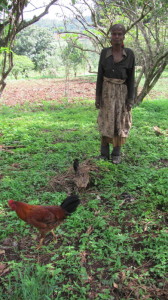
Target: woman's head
{"points": [[119, 27], [117, 34]]}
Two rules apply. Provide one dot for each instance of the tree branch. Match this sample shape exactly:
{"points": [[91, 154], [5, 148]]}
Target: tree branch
{"points": [[25, 24]]}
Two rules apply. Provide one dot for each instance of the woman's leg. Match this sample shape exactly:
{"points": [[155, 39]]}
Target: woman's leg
{"points": [[105, 149], [116, 153]]}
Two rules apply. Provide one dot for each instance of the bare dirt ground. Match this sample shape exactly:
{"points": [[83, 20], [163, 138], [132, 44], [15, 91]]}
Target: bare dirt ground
{"points": [[37, 90]]}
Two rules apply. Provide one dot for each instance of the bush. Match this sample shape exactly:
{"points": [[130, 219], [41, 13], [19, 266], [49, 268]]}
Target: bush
{"points": [[22, 65]]}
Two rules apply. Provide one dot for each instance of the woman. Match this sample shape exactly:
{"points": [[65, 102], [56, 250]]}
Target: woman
{"points": [[115, 94]]}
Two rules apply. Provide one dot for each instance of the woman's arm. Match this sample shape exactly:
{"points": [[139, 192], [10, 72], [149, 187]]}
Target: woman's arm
{"points": [[131, 81], [99, 83]]}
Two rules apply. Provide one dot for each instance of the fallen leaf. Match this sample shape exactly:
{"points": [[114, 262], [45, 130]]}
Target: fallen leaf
{"points": [[89, 230], [3, 269], [15, 165], [2, 252], [13, 147], [157, 130], [83, 255], [123, 275], [115, 285], [146, 226]]}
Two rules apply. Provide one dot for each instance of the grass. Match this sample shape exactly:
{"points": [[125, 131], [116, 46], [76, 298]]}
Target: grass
{"points": [[115, 245]]}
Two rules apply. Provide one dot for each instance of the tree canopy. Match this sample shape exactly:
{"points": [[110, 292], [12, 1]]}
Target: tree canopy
{"points": [[37, 43], [12, 21]]}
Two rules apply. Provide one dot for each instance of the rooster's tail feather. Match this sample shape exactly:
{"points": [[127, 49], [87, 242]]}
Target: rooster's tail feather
{"points": [[70, 203]]}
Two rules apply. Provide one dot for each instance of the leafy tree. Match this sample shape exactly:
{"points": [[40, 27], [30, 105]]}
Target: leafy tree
{"points": [[72, 56], [21, 65], [12, 21], [36, 43], [146, 23]]}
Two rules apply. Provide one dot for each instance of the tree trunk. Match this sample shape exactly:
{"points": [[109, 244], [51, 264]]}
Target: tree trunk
{"points": [[5, 72], [152, 77]]}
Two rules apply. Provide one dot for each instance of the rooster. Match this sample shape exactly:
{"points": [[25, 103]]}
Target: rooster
{"points": [[45, 218]]}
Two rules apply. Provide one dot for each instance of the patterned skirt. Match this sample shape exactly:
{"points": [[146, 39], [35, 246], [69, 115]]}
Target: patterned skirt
{"points": [[114, 120]]}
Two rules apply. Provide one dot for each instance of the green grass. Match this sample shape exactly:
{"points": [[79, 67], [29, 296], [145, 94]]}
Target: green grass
{"points": [[115, 245]]}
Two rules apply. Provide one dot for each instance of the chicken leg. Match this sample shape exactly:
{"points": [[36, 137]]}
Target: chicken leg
{"points": [[54, 235], [40, 243]]}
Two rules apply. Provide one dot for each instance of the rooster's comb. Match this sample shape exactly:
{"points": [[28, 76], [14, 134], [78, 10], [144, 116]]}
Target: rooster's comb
{"points": [[10, 201]]}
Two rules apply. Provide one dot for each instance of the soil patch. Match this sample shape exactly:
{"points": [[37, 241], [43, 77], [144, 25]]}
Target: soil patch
{"points": [[37, 90]]}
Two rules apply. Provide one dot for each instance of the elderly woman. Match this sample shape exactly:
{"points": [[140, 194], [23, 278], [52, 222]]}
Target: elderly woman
{"points": [[115, 94]]}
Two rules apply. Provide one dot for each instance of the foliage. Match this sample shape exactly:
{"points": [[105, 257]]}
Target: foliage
{"points": [[12, 21], [115, 244], [28, 282], [22, 65], [5, 49], [72, 56], [5, 5], [36, 43]]}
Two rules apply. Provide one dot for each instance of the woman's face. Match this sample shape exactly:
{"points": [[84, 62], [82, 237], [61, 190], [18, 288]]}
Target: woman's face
{"points": [[117, 37]]}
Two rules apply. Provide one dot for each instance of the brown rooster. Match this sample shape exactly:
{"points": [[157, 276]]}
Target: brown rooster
{"points": [[45, 218]]}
